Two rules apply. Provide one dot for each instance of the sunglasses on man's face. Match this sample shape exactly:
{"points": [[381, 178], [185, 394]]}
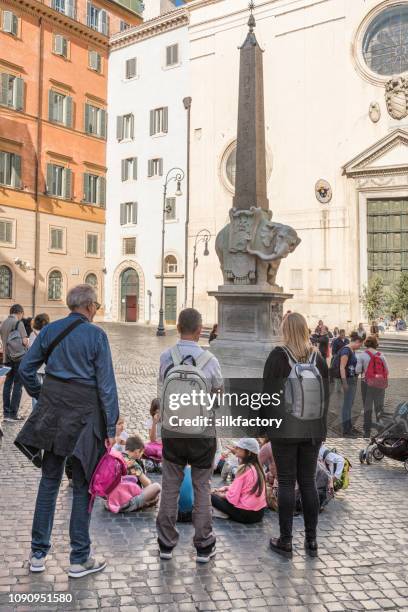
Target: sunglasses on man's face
{"points": [[97, 305]]}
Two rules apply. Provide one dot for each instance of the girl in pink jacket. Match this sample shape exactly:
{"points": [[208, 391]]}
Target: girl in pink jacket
{"points": [[244, 500]]}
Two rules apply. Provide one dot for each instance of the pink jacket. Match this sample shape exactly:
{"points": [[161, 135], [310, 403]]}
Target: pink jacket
{"points": [[123, 493], [239, 492]]}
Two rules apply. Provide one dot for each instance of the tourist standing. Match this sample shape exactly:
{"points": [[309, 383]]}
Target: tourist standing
{"points": [[374, 329], [40, 321], [178, 452], [13, 352], [361, 332], [349, 377], [76, 412], [297, 450], [339, 342], [374, 380]]}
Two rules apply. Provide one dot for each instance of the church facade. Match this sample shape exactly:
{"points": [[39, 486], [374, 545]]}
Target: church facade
{"points": [[336, 116]]}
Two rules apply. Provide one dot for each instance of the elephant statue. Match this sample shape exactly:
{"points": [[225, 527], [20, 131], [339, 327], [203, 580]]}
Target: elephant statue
{"points": [[267, 243]]}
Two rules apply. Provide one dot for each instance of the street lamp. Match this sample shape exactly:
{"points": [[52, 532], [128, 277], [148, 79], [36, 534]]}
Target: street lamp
{"points": [[203, 236], [175, 174]]}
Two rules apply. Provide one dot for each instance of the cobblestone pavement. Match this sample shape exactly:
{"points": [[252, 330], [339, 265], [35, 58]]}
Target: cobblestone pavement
{"points": [[363, 534]]}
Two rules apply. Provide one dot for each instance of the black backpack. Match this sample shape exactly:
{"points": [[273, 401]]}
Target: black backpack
{"points": [[334, 370]]}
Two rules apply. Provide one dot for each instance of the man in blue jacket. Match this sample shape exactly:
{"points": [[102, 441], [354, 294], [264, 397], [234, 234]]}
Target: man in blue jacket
{"points": [[78, 399]]}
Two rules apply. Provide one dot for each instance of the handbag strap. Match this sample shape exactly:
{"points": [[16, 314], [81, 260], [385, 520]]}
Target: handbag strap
{"points": [[61, 336]]}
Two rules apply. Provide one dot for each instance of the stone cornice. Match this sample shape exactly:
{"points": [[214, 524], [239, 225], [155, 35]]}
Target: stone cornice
{"points": [[40, 10], [165, 23], [359, 165]]}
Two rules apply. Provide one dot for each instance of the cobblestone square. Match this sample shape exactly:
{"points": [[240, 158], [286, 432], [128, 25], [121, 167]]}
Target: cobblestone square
{"points": [[363, 534]]}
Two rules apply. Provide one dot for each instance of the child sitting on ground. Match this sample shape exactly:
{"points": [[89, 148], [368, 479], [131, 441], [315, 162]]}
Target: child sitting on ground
{"points": [[154, 449], [149, 491], [244, 500], [334, 463], [121, 436]]}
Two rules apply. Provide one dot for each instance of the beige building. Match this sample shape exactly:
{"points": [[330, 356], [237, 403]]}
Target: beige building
{"points": [[336, 106]]}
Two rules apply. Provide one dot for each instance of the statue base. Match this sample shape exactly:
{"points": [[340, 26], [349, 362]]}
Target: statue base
{"points": [[249, 319]]}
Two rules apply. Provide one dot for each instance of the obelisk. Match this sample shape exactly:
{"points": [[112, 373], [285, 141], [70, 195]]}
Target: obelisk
{"points": [[251, 247]]}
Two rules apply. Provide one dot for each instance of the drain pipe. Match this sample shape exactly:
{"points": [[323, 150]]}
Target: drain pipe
{"points": [[187, 106]]}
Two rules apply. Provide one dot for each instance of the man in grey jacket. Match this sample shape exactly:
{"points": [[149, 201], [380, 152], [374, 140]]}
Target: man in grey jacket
{"points": [[13, 387]]}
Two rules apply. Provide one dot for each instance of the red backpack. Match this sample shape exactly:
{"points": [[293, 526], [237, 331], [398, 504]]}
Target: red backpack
{"points": [[107, 475], [376, 374]]}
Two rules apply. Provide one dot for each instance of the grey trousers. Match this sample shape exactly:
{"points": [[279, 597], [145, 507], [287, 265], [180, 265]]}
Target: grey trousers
{"points": [[173, 475]]}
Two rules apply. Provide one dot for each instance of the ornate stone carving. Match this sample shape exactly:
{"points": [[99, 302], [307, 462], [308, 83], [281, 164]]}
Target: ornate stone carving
{"points": [[374, 112], [396, 97], [251, 247], [323, 191]]}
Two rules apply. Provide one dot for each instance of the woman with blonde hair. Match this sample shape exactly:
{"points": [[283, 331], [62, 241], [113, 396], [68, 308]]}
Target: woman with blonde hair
{"points": [[296, 449]]}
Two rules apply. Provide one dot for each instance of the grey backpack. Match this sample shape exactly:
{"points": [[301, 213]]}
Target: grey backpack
{"points": [[15, 348], [182, 378], [304, 393]]}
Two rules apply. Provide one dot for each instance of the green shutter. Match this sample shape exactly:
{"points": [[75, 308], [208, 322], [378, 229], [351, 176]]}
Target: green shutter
{"points": [[165, 119], [151, 122], [14, 25], [51, 105], [123, 213], [64, 46], [124, 170], [87, 195], [119, 127], [68, 111], [19, 85], [102, 191], [86, 119], [103, 123], [8, 22], [50, 174], [3, 155], [17, 171], [4, 88], [68, 183]]}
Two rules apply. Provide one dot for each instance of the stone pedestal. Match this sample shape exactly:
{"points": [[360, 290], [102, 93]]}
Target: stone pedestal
{"points": [[249, 318]]}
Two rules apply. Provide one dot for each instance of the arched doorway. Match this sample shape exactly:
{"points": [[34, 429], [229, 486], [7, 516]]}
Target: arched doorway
{"points": [[129, 296]]}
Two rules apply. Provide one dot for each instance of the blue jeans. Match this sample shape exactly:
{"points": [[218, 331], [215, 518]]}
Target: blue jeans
{"points": [[12, 391], [52, 472], [348, 401]]}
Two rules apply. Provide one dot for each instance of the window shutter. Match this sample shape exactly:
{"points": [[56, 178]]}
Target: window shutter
{"points": [[104, 22], [88, 15], [134, 212], [86, 118], [68, 111], [103, 123], [50, 174], [119, 127], [8, 22], [135, 168], [132, 125], [70, 8], [64, 47], [123, 213], [68, 183], [51, 105], [150, 167], [124, 170], [151, 122], [165, 119], [19, 89], [102, 191], [58, 44], [87, 194], [175, 54], [4, 88], [2, 167], [17, 171], [168, 56], [14, 25], [161, 167]]}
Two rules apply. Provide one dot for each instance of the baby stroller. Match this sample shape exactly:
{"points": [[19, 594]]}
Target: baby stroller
{"points": [[392, 442]]}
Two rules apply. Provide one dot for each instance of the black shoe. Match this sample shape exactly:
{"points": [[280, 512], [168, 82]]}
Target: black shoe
{"points": [[205, 554], [15, 419], [311, 548], [284, 549], [165, 552]]}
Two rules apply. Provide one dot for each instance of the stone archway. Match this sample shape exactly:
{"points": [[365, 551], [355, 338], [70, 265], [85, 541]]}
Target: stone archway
{"points": [[119, 282]]}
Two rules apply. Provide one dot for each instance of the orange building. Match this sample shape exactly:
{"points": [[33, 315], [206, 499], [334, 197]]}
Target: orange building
{"points": [[53, 89]]}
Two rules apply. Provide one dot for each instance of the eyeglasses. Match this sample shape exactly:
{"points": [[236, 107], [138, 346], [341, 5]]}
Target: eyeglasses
{"points": [[97, 305]]}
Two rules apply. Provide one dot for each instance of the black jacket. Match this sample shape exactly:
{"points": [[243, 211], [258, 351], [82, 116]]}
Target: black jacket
{"points": [[276, 372]]}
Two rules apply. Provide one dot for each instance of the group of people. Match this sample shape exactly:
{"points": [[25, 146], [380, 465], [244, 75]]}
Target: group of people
{"points": [[77, 417]]}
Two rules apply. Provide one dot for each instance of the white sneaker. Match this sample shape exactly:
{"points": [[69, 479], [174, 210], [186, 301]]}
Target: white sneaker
{"points": [[205, 557], [37, 563], [91, 566]]}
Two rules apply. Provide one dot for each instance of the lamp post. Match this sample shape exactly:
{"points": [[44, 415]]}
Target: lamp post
{"points": [[175, 174], [203, 236]]}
